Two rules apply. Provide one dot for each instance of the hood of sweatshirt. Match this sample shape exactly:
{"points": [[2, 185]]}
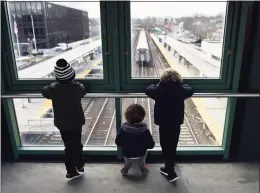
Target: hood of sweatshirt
{"points": [[137, 128]]}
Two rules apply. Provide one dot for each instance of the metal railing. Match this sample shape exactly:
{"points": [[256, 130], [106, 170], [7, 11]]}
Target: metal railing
{"points": [[140, 95]]}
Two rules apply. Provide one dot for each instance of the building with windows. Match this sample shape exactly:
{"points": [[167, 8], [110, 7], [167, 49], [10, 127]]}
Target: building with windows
{"points": [[47, 23]]}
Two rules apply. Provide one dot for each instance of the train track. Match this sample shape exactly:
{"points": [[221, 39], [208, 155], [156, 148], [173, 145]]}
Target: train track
{"points": [[155, 61], [155, 128], [145, 103], [103, 124], [135, 69]]}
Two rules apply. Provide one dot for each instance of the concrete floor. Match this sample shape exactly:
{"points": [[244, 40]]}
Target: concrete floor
{"points": [[105, 178]]}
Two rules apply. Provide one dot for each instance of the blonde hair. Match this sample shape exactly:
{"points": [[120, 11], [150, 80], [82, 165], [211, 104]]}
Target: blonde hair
{"points": [[171, 75]]}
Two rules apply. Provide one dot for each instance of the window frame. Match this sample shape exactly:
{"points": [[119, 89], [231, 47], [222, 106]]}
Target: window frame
{"points": [[14, 84], [224, 84], [114, 14]]}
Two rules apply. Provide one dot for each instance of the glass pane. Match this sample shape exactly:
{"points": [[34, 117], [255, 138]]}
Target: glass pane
{"points": [[203, 121], [186, 36], [43, 32], [36, 126]]}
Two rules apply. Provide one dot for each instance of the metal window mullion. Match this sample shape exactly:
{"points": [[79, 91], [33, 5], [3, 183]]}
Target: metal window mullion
{"points": [[228, 126], [105, 34], [113, 42]]}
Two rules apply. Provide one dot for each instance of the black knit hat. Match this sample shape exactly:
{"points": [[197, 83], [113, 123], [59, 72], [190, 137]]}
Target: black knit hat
{"points": [[63, 71]]}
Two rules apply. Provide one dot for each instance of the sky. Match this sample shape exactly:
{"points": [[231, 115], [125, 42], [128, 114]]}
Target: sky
{"points": [[175, 9], [153, 8]]}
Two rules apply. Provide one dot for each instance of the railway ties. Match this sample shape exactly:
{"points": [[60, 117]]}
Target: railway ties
{"points": [[154, 128], [187, 136], [103, 125], [144, 103], [87, 104], [111, 135], [156, 57]]}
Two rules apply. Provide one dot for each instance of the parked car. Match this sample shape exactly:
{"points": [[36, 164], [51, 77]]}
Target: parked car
{"points": [[62, 47]]}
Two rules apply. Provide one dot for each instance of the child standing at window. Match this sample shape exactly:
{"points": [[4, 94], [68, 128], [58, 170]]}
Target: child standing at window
{"points": [[66, 95], [135, 138], [169, 95]]}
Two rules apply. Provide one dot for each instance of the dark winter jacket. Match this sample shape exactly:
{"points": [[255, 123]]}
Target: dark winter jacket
{"points": [[169, 102], [66, 102], [134, 139]]}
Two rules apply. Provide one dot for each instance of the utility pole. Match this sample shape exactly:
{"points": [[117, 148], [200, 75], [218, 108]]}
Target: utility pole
{"points": [[34, 39], [17, 39]]}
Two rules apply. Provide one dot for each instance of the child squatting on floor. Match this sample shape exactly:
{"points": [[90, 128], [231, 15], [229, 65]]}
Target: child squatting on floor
{"points": [[135, 138]]}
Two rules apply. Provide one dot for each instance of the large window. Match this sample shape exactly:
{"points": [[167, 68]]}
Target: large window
{"points": [[119, 47], [186, 36], [42, 32], [36, 122], [203, 125]]}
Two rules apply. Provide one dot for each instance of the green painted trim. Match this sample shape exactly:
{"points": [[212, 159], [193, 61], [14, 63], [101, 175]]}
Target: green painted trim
{"points": [[38, 88], [138, 88], [60, 150], [230, 23], [5, 46], [246, 14], [196, 150], [228, 127], [118, 122], [107, 72], [124, 42], [113, 151], [13, 131], [114, 52], [114, 8], [235, 43]]}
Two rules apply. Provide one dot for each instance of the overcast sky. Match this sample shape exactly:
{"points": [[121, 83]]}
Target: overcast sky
{"points": [[157, 9], [175, 9]]}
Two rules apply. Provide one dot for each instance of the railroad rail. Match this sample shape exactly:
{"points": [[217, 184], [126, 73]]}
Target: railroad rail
{"points": [[102, 126]]}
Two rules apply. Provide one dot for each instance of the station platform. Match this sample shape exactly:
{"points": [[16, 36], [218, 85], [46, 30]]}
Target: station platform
{"points": [[42, 69], [202, 61], [194, 178], [212, 110]]}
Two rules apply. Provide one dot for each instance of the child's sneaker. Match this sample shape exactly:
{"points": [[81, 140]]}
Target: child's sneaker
{"points": [[80, 168], [163, 171], [144, 170], [173, 177], [124, 170], [72, 175]]}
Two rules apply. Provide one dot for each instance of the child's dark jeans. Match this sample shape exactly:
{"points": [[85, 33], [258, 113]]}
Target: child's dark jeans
{"points": [[73, 149], [169, 137]]}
